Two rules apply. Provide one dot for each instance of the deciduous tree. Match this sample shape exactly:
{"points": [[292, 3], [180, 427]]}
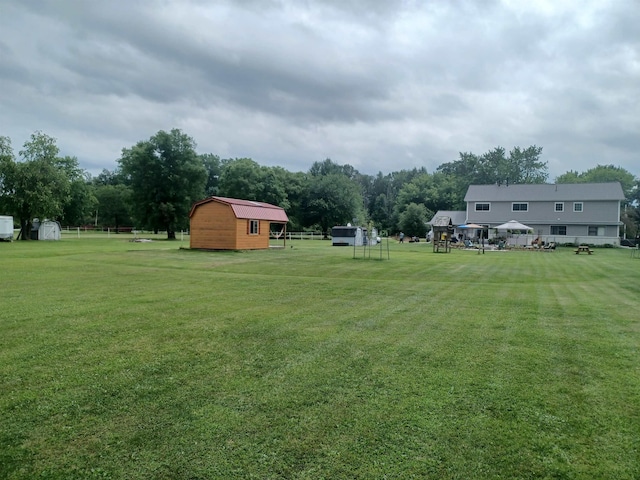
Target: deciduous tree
{"points": [[166, 176], [114, 206], [603, 174], [521, 166], [331, 200], [38, 185], [82, 201], [413, 220]]}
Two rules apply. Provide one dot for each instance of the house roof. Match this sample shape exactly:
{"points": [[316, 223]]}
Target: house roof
{"points": [[457, 217], [248, 209], [545, 191]]}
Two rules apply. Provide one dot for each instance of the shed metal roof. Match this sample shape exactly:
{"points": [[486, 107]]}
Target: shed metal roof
{"points": [[249, 209], [545, 191]]}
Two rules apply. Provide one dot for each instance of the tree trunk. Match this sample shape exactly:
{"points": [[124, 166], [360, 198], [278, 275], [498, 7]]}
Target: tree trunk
{"points": [[25, 229], [171, 235]]}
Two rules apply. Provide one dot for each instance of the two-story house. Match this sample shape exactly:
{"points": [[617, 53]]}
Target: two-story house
{"points": [[562, 213]]}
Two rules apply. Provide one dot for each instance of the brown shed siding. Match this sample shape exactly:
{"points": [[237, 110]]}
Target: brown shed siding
{"points": [[215, 226], [245, 241]]}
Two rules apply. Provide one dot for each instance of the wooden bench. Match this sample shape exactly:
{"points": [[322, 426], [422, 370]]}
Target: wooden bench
{"points": [[583, 249]]}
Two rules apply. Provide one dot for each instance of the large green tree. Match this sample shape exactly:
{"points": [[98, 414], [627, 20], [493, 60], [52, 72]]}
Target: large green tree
{"points": [[36, 186], [114, 206], [213, 166], [294, 185], [82, 201], [603, 174], [413, 220], [329, 167], [166, 176], [241, 178], [495, 166], [331, 200]]}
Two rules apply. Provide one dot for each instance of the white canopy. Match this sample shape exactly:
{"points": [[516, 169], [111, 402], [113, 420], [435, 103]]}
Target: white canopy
{"points": [[513, 225]]}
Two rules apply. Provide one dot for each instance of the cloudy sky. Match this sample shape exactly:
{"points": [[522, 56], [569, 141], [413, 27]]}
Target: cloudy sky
{"points": [[382, 85]]}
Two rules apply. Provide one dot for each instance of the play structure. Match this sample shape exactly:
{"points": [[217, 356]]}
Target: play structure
{"points": [[442, 227]]}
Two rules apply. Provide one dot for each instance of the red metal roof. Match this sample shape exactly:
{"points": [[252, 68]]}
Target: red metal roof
{"points": [[249, 209]]}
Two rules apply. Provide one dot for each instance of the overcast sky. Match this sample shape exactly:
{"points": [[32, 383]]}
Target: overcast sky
{"points": [[382, 85]]}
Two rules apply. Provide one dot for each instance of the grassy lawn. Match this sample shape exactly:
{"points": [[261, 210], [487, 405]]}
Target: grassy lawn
{"points": [[146, 361]]}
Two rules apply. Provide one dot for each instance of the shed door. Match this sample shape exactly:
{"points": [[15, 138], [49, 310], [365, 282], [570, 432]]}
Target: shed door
{"points": [[49, 231]]}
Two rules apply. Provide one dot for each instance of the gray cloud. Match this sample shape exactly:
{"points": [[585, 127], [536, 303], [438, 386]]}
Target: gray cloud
{"points": [[381, 85]]}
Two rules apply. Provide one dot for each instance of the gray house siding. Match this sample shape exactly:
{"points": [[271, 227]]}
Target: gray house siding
{"points": [[596, 222]]}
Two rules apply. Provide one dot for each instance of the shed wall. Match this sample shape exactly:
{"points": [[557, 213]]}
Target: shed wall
{"points": [[244, 241], [215, 227]]}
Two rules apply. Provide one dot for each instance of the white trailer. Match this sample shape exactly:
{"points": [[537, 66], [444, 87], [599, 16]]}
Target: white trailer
{"points": [[6, 228], [348, 235]]}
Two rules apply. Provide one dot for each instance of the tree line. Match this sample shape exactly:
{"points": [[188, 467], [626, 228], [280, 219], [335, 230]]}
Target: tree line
{"points": [[157, 180]]}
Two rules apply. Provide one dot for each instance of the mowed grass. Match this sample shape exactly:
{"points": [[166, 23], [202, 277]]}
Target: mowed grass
{"points": [[147, 361]]}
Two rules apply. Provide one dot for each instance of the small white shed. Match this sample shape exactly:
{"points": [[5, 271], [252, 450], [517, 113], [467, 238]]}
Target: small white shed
{"points": [[6, 228], [45, 230]]}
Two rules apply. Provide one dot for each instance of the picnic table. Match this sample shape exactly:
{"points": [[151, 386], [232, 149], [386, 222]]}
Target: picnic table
{"points": [[583, 249]]}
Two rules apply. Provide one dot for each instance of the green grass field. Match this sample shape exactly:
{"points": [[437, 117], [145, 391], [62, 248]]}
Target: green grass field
{"points": [[130, 360]]}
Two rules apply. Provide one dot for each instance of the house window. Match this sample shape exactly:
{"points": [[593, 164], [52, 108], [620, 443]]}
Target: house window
{"points": [[559, 207], [558, 230], [519, 207], [577, 206], [254, 227], [595, 231], [482, 207]]}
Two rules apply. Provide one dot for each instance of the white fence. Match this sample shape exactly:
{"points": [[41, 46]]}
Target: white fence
{"points": [[303, 236]]}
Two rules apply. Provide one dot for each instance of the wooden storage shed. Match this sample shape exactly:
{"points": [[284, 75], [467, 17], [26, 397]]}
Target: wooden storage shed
{"points": [[220, 223]]}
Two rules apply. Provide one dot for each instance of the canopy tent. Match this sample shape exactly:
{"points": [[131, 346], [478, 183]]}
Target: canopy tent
{"points": [[513, 226], [471, 226]]}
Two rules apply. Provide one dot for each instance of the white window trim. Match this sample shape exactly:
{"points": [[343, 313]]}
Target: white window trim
{"points": [[555, 207], [257, 224], [520, 203], [581, 207], [482, 203]]}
